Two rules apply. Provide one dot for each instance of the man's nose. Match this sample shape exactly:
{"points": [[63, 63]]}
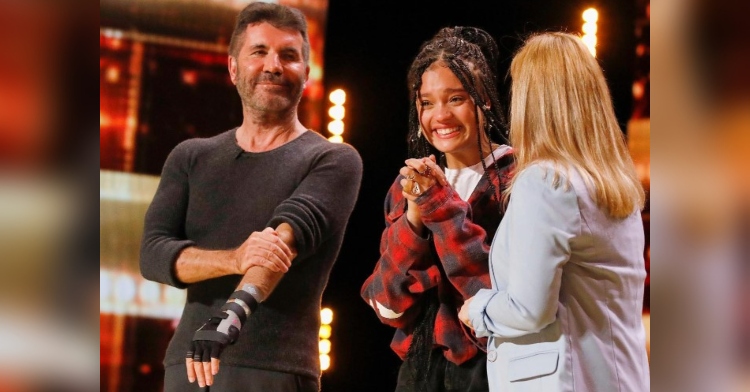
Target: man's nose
{"points": [[272, 64]]}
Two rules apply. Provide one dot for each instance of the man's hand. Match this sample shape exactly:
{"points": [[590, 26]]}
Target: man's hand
{"points": [[202, 361], [263, 249], [221, 330]]}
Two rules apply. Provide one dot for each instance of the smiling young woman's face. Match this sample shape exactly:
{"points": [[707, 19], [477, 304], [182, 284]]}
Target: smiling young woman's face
{"points": [[447, 115]]}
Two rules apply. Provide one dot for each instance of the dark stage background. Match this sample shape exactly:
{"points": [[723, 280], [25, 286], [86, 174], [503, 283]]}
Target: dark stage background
{"points": [[369, 47]]}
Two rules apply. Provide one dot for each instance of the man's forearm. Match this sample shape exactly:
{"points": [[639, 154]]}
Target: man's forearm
{"points": [[194, 265], [223, 328], [264, 279]]}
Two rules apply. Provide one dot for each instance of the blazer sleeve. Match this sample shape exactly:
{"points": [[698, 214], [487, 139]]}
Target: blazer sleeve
{"points": [[541, 221]]}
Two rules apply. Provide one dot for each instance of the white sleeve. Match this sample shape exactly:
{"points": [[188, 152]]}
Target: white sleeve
{"points": [[541, 221]]}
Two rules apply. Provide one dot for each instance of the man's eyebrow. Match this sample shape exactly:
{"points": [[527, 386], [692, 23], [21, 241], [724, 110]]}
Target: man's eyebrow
{"points": [[259, 46]]}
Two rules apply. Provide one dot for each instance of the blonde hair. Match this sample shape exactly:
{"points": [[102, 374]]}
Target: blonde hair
{"points": [[561, 111]]}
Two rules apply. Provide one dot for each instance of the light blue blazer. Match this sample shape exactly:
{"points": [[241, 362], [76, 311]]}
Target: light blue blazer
{"points": [[565, 309]]}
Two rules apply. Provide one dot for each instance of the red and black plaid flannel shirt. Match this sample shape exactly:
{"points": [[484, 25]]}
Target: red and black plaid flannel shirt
{"points": [[454, 258]]}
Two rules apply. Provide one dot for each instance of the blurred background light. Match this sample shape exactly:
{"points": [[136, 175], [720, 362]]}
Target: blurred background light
{"points": [[326, 316], [337, 97]]}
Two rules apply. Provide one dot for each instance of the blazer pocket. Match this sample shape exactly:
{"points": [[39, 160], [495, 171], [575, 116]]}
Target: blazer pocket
{"points": [[533, 365]]}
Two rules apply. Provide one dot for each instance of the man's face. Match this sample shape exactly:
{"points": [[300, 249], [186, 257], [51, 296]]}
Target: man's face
{"points": [[270, 71]]}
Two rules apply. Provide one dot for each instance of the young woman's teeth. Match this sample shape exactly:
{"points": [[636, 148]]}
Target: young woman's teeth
{"points": [[446, 131]]}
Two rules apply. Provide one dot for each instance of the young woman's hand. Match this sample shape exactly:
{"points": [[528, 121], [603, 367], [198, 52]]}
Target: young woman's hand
{"points": [[463, 314], [420, 174]]}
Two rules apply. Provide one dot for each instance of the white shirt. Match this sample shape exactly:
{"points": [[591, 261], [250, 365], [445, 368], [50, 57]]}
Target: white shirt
{"points": [[465, 179]]}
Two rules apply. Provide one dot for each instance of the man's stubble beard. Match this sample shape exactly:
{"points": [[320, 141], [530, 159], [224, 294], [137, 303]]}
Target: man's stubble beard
{"points": [[267, 102]]}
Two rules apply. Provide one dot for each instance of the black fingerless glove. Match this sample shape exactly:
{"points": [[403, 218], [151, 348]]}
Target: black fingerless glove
{"points": [[223, 328]]}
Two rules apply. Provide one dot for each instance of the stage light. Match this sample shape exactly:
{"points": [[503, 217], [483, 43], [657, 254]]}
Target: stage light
{"points": [[337, 112], [336, 127], [337, 97], [326, 316], [124, 289], [324, 345], [591, 15], [589, 40], [638, 89], [149, 292], [174, 296], [325, 362], [105, 285], [325, 331], [590, 28], [104, 120], [113, 74]]}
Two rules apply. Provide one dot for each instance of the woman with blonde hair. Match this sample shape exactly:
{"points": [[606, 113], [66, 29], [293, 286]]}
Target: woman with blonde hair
{"points": [[566, 263]]}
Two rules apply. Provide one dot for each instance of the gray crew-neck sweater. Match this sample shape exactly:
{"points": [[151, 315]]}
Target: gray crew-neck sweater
{"points": [[213, 195]]}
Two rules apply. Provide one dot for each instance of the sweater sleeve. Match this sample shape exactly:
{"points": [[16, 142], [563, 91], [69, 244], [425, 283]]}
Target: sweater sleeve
{"points": [[321, 205], [405, 270], [460, 243], [542, 219], [164, 228]]}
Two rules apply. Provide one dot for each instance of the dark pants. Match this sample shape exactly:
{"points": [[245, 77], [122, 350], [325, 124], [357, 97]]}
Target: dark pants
{"points": [[446, 376], [235, 378]]}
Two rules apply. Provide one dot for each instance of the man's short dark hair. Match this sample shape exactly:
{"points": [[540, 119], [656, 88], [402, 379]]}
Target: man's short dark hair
{"points": [[279, 16]]}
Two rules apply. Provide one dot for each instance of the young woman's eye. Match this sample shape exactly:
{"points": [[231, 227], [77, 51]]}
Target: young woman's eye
{"points": [[424, 103]]}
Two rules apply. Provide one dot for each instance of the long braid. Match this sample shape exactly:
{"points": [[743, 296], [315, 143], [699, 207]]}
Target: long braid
{"points": [[484, 166], [420, 352], [461, 70]]}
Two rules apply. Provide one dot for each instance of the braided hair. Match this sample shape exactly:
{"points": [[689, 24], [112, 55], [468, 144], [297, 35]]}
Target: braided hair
{"points": [[472, 55]]}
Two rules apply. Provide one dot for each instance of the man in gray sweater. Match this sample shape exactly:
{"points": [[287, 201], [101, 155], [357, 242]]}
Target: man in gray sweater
{"points": [[250, 222]]}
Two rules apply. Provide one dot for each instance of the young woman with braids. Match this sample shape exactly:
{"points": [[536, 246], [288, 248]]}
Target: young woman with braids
{"points": [[564, 310], [441, 213]]}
